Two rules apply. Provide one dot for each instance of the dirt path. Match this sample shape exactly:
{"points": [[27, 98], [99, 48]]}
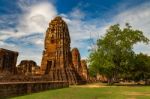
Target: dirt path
{"points": [[94, 85]]}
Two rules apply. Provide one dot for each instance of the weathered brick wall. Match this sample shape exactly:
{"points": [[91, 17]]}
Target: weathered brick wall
{"points": [[11, 89], [8, 61]]}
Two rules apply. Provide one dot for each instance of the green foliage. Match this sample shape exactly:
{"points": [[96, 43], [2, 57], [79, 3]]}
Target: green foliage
{"points": [[114, 55], [141, 70]]}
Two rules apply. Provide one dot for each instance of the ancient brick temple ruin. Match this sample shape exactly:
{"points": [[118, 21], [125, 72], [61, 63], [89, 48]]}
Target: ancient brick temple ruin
{"points": [[27, 67], [57, 57], [8, 61]]}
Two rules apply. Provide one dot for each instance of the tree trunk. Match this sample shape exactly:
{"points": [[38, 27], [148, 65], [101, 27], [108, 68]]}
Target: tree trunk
{"points": [[110, 81]]}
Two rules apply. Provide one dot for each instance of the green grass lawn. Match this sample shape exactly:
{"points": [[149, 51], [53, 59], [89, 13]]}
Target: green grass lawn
{"points": [[108, 92]]}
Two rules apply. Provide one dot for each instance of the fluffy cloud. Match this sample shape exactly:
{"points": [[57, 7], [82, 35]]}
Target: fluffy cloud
{"points": [[28, 35], [34, 19], [37, 16]]}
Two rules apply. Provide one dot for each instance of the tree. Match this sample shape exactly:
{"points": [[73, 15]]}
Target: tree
{"points": [[114, 52], [141, 70]]}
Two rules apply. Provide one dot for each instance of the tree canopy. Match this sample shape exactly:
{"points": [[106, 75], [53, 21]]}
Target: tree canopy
{"points": [[114, 55]]}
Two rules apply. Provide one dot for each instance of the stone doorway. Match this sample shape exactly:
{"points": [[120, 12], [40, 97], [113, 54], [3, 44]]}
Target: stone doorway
{"points": [[49, 65]]}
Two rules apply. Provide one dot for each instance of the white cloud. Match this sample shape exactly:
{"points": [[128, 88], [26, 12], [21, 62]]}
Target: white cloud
{"points": [[77, 14], [35, 19], [39, 42], [1, 43]]}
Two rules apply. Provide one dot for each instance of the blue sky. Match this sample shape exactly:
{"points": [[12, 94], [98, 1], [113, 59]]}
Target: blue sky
{"points": [[23, 22]]}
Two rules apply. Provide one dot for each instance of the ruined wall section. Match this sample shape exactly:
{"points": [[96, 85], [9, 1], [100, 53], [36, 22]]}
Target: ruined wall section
{"points": [[8, 61], [85, 72], [27, 67]]}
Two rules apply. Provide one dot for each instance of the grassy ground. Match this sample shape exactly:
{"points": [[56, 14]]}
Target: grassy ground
{"points": [[94, 91]]}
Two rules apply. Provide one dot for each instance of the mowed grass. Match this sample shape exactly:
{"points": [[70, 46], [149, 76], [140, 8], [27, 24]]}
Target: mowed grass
{"points": [[85, 92]]}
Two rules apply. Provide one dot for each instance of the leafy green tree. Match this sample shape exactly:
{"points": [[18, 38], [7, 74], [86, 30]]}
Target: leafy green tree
{"points": [[141, 69], [114, 52]]}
